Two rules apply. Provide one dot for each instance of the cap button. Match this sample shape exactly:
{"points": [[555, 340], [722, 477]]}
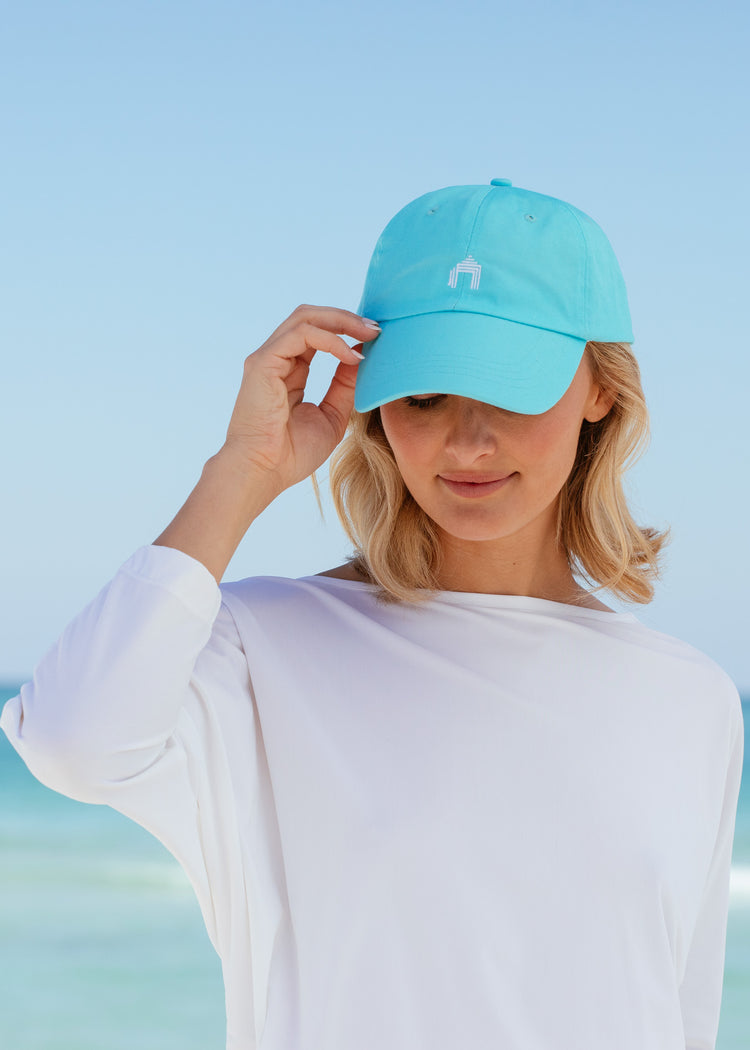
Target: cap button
{"points": [[501, 182]]}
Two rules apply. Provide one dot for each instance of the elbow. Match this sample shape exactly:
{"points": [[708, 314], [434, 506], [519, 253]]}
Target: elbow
{"points": [[51, 756], [67, 754]]}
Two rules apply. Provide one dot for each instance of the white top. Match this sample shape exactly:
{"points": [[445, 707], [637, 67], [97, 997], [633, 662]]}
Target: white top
{"points": [[493, 821]]}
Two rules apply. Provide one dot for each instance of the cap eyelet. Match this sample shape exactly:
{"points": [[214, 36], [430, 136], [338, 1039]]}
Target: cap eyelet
{"points": [[431, 211], [530, 218]]}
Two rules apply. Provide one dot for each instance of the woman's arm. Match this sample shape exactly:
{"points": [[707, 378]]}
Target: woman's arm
{"points": [[105, 701], [139, 705], [274, 439]]}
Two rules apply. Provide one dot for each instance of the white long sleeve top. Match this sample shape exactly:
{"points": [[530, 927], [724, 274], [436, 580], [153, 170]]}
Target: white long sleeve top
{"points": [[489, 822]]}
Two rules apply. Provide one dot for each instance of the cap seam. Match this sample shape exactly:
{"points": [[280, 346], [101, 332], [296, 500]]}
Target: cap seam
{"points": [[586, 309], [462, 285], [482, 313]]}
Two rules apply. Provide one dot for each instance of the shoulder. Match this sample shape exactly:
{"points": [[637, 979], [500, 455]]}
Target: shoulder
{"points": [[347, 571], [699, 672], [268, 596]]}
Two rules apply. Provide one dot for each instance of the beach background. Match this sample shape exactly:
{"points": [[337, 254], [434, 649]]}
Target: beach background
{"points": [[104, 948], [178, 176]]}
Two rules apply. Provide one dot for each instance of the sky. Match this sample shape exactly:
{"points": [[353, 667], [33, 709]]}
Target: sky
{"points": [[179, 176]]}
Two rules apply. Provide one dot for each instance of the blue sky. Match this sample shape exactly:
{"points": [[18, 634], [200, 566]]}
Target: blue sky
{"points": [[179, 176]]}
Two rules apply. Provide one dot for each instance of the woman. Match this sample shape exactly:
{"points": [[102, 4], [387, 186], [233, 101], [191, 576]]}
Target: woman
{"points": [[441, 795]]}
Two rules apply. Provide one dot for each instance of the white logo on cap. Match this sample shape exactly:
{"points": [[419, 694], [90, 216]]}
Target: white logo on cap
{"points": [[469, 265]]}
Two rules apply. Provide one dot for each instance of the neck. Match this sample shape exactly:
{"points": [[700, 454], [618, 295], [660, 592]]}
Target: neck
{"points": [[529, 563]]}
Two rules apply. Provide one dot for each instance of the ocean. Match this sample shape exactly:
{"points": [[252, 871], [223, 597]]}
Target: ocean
{"points": [[102, 945]]}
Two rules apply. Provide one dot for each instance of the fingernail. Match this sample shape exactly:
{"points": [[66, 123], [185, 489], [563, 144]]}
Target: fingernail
{"points": [[356, 353], [371, 324]]}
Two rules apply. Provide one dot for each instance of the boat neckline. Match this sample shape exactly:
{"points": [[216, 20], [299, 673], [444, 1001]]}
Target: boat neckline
{"points": [[489, 600]]}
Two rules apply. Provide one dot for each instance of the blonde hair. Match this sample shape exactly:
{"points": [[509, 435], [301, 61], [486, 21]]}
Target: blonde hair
{"points": [[397, 544]]}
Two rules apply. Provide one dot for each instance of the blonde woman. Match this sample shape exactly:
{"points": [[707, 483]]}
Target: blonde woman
{"points": [[442, 795]]}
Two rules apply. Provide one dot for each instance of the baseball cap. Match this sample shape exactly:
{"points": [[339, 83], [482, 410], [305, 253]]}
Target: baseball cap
{"points": [[489, 292]]}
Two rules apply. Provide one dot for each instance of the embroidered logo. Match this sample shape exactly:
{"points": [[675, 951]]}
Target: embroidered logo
{"points": [[469, 265]]}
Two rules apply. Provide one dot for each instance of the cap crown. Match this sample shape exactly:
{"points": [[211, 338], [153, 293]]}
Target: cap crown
{"points": [[501, 251]]}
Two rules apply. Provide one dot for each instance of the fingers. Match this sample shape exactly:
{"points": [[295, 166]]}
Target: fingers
{"points": [[318, 328], [311, 338], [332, 319]]}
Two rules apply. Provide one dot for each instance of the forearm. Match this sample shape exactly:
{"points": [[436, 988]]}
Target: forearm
{"points": [[218, 512], [274, 438]]}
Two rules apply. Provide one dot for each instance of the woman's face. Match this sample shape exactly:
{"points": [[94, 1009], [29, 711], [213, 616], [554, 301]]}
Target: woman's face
{"points": [[481, 472]]}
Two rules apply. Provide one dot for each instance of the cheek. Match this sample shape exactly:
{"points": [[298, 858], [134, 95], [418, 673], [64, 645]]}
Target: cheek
{"points": [[411, 442], [550, 447]]}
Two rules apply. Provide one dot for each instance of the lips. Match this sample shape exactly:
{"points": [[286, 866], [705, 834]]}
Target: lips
{"points": [[473, 486]]}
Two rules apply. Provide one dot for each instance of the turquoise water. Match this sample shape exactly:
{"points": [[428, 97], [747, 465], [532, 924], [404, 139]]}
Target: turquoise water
{"points": [[102, 942], [103, 945]]}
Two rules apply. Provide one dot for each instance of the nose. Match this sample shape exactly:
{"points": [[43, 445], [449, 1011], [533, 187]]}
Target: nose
{"points": [[471, 433]]}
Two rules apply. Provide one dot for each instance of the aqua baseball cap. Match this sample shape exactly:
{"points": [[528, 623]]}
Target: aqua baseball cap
{"points": [[488, 292]]}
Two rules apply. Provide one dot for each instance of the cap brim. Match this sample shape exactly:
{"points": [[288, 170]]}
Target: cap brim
{"points": [[514, 366]]}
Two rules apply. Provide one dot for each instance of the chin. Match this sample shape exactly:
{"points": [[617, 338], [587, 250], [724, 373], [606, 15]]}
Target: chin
{"points": [[475, 531], [476, 536], [487, 524]]}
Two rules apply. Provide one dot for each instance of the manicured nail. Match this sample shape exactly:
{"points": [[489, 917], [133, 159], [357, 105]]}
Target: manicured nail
{"points": [[356, 353], [371, 324]]}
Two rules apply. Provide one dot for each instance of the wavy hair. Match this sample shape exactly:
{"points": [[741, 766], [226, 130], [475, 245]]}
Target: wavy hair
{"points": [[397, 545]]}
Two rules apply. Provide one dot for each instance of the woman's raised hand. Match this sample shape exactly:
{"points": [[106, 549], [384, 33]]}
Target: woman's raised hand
{"points": [[275, 438], [273, 431]]}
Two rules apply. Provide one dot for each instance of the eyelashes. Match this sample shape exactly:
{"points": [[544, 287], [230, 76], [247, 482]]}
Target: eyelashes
{"points": [[423, 402]]}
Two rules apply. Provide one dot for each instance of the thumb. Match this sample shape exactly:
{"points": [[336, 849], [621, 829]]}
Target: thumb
{"points": [[338, 403]]}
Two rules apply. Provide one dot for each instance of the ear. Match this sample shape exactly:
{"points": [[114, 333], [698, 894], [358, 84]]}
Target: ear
{"points": [[598, 403]]}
